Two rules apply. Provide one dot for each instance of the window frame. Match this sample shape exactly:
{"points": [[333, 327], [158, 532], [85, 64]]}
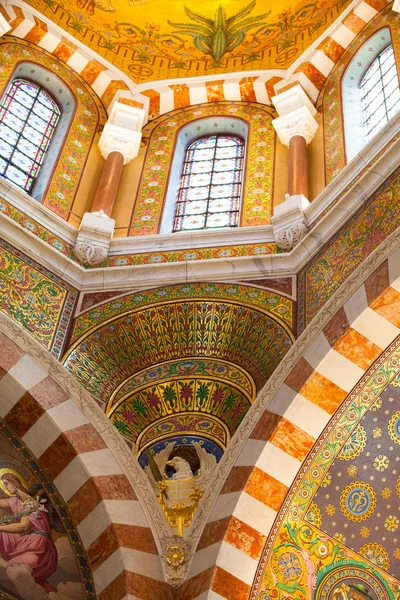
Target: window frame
{"points": [[184, 202], [62, 95], [353, 114], [369, 133], [9, 99], [192, 131]]}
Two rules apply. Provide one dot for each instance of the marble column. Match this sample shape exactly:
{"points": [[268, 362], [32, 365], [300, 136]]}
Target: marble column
{"points": [[295, 127], [119, 144]]}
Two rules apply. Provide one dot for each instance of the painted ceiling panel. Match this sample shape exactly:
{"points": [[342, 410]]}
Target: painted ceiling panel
{"points": [[153, 39]]}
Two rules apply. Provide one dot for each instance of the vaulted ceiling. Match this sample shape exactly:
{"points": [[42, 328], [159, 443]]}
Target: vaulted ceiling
{"points": [[153, 39]]}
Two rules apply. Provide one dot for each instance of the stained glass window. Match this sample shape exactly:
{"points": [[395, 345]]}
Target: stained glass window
{"points": [[210, 188], [28, 117], [380, 91]]}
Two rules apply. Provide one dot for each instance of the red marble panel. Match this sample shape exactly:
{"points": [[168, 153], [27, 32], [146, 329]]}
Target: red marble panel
{"points": [[10, 353], [58, 456], [357, 348], [245, 538], [92, 70], [213, 532], [336, 326], [377, 282], [85, 439], [195, 585], [331, 49], [181, 95], [297, 377], [265, 426], [230, 587], [354, 23], [266, 489], [48, 393], [24, 414], [292, 439], [388, 306], [65, 49], [236, 479], [113, 87], [323, 392]]}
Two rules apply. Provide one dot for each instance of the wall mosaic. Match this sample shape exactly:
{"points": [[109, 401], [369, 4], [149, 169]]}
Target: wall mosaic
{"points": [[34, 567], [279, 306], [173, 398], [339, 522], [35, 298], [335, 151], [180, 42], [368, 228], [111, 353], [257, 189], [190, 367]]}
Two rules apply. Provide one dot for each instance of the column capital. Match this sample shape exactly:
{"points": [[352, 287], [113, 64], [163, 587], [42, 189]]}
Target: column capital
{"points": [[122, 132], [298, 122], [4, 25], [292, 99]]}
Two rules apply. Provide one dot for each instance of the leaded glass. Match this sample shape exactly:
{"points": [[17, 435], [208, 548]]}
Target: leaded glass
{"points": [[380, 91], [211, 182], [28, 117]]}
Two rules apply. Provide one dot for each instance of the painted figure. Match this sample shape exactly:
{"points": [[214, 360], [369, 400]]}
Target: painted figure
{"points": [[28, 539]]}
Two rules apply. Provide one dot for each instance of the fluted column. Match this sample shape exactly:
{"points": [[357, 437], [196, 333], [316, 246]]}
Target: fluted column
{"points": [[119, 144], [295, 127]]}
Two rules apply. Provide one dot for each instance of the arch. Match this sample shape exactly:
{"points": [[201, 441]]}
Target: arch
{"points": [[77, 133], [90, 467], [187, 136], [354, 115], [163, 141], [284, 424], [332, 101]]}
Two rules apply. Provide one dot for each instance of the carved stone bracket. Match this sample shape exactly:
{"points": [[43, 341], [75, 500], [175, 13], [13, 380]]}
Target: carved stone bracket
{"points": [[122, 132], [176, 553], [289, 222], [94, 238]]}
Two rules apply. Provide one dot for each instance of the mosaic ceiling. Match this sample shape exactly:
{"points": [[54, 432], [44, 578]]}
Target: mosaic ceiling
{"points": [[341, 523], [190, 366], [153, 39]]}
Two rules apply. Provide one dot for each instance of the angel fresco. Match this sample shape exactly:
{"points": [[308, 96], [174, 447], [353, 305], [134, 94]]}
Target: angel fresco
{"points": [[37, 561]]}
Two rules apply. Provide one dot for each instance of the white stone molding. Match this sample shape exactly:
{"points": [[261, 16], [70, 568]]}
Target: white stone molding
{"points": [[292, 99], [94, 238], [289, 222], [396, 6], [298, 122], [296, 115], [4, 25], [122, 132]]}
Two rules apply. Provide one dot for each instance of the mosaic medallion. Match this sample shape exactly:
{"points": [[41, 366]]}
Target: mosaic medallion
{"points": [[354, 445], [376, 554], [351, 581], [394, 427], [358, 501]]}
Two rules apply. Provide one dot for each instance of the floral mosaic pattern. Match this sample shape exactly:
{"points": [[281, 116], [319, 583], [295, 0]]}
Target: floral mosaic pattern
{"points": [[143, 40], [335, 151], [279, 306], [257, 190], [214, 328], [88, 115], [189, 367], [312, 547], [174, 399], [34, 298], [368, 228]]}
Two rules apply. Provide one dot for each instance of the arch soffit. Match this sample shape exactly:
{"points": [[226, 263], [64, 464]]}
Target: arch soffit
{"points": [[289, 415], [92, 476]]}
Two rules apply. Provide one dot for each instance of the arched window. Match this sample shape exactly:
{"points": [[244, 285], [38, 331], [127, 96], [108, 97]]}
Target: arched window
{"points": [[28, 118], [211, 184], [370, 91], [380, 91]]}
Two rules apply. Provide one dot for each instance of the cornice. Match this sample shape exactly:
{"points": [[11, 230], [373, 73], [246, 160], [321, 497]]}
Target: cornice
{"points": [[341, 198]]}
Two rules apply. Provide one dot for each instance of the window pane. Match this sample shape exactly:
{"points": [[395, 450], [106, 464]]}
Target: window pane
{"points": [[380, 91], [28, 117], [210, 188]]}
